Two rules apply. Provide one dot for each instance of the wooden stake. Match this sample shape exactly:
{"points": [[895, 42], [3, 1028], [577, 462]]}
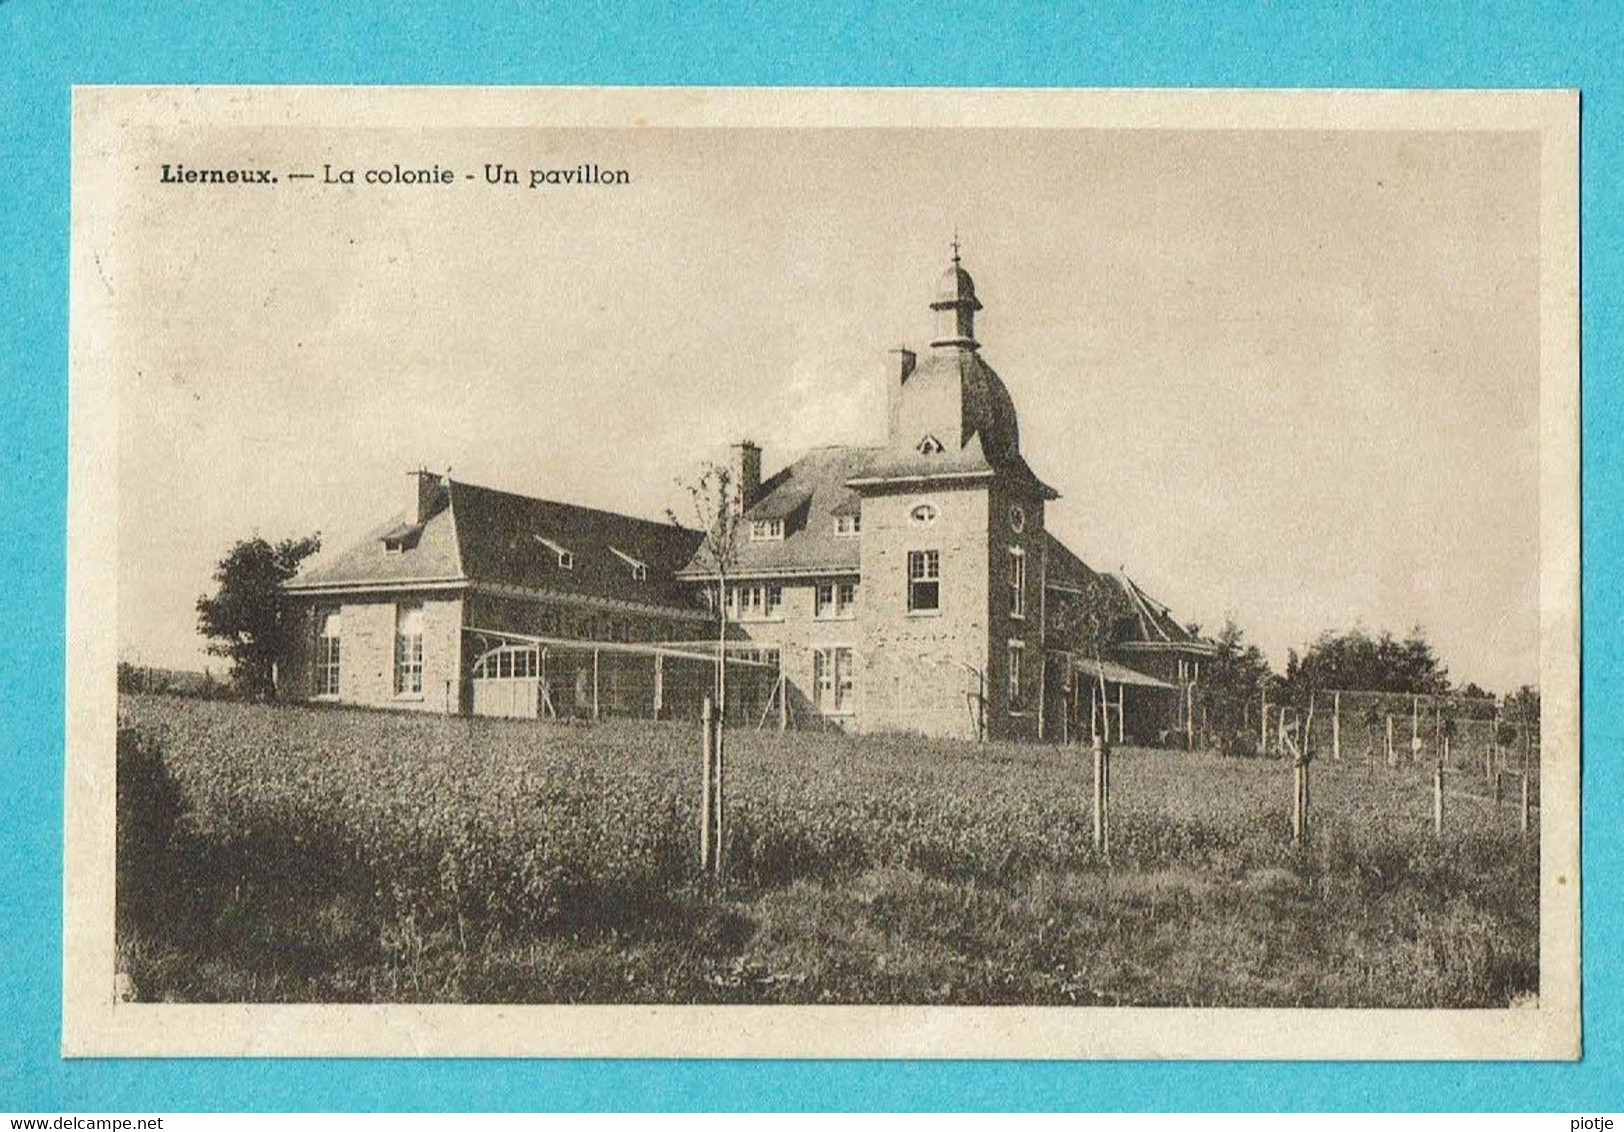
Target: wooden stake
{"points": [[1299, 799], [1499, 791], [707, 740], [1263, 722], [1524, 820], [1336, 726], [721, 795], [595, 683], [1121, 701], [1392, 756], [1102, 770], [1438, 800]]}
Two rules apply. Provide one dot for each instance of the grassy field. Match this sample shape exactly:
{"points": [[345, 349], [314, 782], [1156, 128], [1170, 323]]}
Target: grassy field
{"points": [[295, 854]]}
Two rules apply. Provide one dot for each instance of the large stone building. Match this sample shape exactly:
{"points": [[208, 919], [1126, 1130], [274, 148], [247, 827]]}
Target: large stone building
{"points": [[912, 586]]}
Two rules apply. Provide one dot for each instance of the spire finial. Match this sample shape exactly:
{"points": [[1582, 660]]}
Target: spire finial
{"points": [[955, 247]]}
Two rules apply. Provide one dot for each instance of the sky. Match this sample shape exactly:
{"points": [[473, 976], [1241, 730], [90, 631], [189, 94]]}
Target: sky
{"points": [[1286, 377]]}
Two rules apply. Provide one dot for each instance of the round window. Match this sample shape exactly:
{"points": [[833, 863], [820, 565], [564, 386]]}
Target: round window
{"points": [[923, 513], [1017, 518]]}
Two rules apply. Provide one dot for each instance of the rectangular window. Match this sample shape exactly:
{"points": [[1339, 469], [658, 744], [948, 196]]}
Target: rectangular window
{"points": [[408, 650], [924, 580], [328, 631], [834, 683], [756, 603], [766, 530], [835, 601], [846, 526], [1017, 654], [1017, 582]]}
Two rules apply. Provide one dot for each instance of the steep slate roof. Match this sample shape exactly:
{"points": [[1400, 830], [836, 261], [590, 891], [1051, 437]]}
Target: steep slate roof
{"points": [[1156, 621], [434, 558], [989, 439], [1150, 622], [807, 495], [483, 535]]}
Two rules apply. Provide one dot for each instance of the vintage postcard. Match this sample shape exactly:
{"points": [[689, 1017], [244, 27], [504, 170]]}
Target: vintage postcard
{"points": [[821, 573]]}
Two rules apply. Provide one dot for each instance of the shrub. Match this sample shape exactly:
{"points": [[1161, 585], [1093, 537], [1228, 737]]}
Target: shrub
{"points": [[151, 859]]}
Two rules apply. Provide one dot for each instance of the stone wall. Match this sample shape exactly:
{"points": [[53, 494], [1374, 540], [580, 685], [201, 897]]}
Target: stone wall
{"points": [[920, 671], [367, 651]]}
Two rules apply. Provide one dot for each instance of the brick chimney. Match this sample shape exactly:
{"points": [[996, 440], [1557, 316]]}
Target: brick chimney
{"points": [[747, 472], [424, 493]]}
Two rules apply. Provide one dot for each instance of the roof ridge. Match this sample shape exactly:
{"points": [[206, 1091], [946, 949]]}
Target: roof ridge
{"points": [[659, 523]]}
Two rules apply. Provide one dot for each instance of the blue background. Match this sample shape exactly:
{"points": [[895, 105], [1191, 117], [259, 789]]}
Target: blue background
{"points": [[46, 47]]}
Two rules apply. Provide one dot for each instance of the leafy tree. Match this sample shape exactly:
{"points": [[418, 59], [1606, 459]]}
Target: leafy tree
{"points": [[1519, 712], [1353, 660], [1233, 677], [245, 620], [718, 510]]}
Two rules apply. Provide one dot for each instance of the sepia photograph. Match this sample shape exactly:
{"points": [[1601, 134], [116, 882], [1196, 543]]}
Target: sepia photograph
{"points": [[823, 573]]}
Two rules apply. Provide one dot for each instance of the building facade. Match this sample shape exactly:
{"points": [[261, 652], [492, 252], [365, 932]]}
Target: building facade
{"points": [[911, 586]]}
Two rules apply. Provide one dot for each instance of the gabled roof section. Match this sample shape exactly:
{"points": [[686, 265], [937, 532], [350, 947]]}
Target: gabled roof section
{"points": [[484, 536], [508, 540], [1156, 621], [807, 495], [1147, 624], [390, 554]]}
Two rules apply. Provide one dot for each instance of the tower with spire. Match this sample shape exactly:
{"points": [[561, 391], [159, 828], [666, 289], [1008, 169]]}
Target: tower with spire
{"points": [[953, 545], [955, 306]]}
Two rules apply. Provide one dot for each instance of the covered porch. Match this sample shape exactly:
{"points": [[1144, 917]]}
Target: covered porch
{"points": [[1085, 697]]}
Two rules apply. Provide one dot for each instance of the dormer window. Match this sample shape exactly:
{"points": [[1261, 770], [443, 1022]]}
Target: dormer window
{"points": [[929, 446], [401, 538], [639, 569], [566, 560], [767, 530], [847, 526]]}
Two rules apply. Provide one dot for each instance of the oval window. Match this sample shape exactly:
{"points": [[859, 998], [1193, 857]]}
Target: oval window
{"points": [[1017, 518], [923, 513]]}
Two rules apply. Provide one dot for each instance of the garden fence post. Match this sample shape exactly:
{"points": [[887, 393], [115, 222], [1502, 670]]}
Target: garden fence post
{"points": [[1263, 723], [1392, 755], [1499, 790], [1524, 819]]}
